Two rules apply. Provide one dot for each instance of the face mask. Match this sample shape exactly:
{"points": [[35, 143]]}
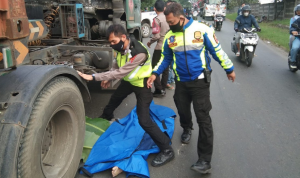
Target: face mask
{"points": [[246, 13], [118, 47], [177, 27]]}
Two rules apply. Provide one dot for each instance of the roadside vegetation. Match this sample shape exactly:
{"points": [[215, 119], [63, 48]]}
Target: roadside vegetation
{"points": [[275, 31]]}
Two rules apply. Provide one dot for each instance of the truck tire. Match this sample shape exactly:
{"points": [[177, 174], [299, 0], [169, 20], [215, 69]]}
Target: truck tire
{"points": [[146, 30], [52, 142]]}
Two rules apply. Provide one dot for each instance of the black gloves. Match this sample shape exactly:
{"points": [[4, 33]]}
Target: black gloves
{"points": [[258, 29], [236, 29]]}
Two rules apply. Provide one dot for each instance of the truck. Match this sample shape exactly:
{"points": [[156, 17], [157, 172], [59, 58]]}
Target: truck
{"points": [[42, 44], [208, 8]]}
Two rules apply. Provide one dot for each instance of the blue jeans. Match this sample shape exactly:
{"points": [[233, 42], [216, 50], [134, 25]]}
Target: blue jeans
{"points": [[294, 50], [171, 76]]}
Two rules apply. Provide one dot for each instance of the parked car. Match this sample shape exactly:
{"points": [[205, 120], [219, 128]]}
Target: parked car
{"points": [[146, 21], [208, 9]]}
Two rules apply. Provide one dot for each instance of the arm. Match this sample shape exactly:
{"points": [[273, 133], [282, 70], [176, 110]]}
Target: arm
{"points": [[165, 59], [122, 71], [291, 21], [214, 47], [297, 22], [254, 22], [236, 25]]}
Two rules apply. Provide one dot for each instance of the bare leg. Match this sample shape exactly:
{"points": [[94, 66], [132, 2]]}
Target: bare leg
{"points": [[116, 171], [238, 47]]}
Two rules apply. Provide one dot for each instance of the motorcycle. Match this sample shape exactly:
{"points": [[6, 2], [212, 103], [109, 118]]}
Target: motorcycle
{"points": [[298, 54], [195, 15], [248, 44], [218, 22]]}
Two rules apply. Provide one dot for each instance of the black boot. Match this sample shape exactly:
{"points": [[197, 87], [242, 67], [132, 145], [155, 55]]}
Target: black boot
{"points": [[163, 157], [186, 135], [159, 93], [202, 167], [109, 118]]}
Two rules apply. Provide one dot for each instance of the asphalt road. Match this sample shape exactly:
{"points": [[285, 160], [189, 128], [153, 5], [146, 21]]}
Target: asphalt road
{"points": [[256, 119]]}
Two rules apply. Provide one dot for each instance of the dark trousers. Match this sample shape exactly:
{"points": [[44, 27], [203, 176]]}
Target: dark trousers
{"points": [[160, 84], [197, 92], [144, 98]]}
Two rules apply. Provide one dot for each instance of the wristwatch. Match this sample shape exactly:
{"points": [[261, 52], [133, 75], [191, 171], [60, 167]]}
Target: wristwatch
{"points": [[94, 77]]}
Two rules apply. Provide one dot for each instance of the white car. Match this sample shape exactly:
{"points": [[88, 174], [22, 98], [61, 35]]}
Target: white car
{"points": [[146, 21], [210, 8]]}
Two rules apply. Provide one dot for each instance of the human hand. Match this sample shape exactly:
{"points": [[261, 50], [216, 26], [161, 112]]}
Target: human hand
{"points": [[231, 76], [150, 81], [294, 32], [85, 76], [236, 29], [258, 29], [105, 84], [149, 44]]}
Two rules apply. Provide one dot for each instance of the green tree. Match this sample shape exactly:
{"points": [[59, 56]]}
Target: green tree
{"points": [[147, 3], [184, 3], [150, 3], [237, 3]]}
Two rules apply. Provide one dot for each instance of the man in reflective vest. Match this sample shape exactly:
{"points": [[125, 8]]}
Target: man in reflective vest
{"points": [[133, 66], [186, 48]]}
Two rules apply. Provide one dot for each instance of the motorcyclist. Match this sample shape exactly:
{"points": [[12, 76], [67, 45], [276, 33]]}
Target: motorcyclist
{"points": [[297, 15], [217, 12], [188, 11], [296, 42], [246, 20], [195, 13]]}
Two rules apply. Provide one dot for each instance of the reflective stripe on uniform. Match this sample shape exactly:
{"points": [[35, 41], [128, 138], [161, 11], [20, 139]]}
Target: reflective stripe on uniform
{"points": [[134, 72], [188, 48]]}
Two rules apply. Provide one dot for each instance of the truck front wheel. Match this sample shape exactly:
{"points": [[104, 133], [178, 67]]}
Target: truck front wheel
{"points": [[52, 142]]}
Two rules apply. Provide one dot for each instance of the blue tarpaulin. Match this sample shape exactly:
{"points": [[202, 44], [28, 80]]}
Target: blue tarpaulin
{"points": [[126, 145]]}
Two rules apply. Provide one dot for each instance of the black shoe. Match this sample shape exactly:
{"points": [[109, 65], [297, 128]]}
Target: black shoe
{"points": [[202, 167], [159, 93], [293, 65], [163, 157], [186, 135]]}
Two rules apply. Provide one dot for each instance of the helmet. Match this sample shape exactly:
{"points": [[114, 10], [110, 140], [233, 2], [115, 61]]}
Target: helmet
{"points": [[297, 8], [246, 8]]}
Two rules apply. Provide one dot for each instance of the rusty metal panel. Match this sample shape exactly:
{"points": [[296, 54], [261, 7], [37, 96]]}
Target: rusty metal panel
{"points": [[16, 23]]}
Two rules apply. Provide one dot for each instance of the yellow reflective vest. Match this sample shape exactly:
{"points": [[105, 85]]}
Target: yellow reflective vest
{"points": [[136, 76]]}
